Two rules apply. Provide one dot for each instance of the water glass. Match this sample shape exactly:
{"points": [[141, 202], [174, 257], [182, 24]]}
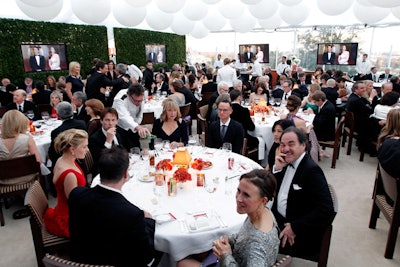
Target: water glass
{"points": [[45, 115], [278, 101], [227, 148], [145, 154], [30, 114], [272, 101]]}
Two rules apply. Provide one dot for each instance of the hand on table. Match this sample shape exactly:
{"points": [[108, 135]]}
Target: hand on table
{"points": [[287, 235], [174, 145], [221, 246]]}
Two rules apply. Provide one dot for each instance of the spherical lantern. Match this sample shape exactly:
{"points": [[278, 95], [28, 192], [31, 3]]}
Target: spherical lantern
{"points": [[199, 31], [170, 6], [138, 3], [195, 10], [214, 21], [229, 10], [271, 23], [396, 12], [158, 20], [291, 3], [292, 16], [264, 9], [128, 15], [243, 24], [211, 2], [182, 25], [369, 14], [251, 2], [91, 11], [41, 13], [333, 8], [40, 3], [385, 3]]}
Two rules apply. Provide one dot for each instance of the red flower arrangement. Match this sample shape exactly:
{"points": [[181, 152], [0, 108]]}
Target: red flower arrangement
{"points": [[165, 165], [199, 164], [182, 175]]}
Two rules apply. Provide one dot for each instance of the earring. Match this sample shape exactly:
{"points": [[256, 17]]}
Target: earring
{"points": [[73, 153]]}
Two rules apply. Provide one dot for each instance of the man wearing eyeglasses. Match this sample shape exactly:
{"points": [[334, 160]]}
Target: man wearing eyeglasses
{"points": [[130, 104], [224, 129]]}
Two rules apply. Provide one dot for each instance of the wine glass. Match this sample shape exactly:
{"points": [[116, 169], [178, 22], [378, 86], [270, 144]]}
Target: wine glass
{"points": [[158, 144], [278, 101], [45, 115], [272, 101], [227, 148], [30, 114], [191, 142]]}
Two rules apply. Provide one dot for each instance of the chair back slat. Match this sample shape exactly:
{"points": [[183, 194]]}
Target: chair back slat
{"points": [[389, 184], [36, 201]]}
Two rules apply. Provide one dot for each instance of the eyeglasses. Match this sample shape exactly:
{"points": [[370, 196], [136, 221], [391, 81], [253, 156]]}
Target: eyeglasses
{"points": [[136, 101], [223, 110]]}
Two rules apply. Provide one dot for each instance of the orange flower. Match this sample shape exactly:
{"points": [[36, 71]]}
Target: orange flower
{"points": [[182, 175], [165, 165]]}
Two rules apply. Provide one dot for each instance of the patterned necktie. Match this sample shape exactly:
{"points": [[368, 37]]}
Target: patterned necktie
{"points": [[223, 131], [20, 108]]}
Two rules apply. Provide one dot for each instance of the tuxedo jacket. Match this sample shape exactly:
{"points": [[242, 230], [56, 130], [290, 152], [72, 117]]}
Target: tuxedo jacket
{"points": [[165, 88], [209, 87], [277, 93], [234, 135], [309, 207], [361, 109], [382, 76], [330, 61], [369, 77], [107, 229], [242, 115], [96, 144], [152, 56], [28, 106], [247, 59], [82, 115], [331, 94], [96, 81], [66, 125], [324, 122], [41, 97], [33, 63]]}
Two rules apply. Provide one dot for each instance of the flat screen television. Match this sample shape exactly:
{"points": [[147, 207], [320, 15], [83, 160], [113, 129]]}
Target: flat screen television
{"points": [[44, 57], [156, 53], [247, 51], [337, 54]]}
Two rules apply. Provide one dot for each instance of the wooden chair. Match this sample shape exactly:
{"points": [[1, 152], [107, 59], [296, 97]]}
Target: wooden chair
{"points": [[44, 242], [203, 126], [203, 114], [348, 131], [335, 144], [55, 261], [2, 111], [12, 169], [148, 118], [283, 261], [206, 98], [185, 109], [386, 187], [251, 153]]}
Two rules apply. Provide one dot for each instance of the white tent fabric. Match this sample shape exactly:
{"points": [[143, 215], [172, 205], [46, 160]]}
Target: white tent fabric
{"points": [[200, 17]]}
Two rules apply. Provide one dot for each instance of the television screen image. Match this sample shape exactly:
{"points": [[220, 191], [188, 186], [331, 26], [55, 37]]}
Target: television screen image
{"points": [[156, 53], [44, 57], [247, 51], [337, 53]]}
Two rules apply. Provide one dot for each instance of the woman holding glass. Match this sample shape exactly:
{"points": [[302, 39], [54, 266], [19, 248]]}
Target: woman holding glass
{"points": [[170, 125]]}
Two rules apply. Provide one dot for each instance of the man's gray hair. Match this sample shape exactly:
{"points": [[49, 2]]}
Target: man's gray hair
{"points": [[121, 68], [222, 84], [237, 82], [81, 96]]}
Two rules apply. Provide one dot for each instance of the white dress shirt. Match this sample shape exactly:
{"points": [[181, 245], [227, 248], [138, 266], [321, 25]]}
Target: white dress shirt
{"points": [[281, 68], [129, 115], [285, 186], [257, 69], [226, 74], [363, 67]]}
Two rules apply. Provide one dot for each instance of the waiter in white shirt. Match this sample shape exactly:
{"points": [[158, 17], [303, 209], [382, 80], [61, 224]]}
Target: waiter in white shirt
{"points": [[363, 68]]}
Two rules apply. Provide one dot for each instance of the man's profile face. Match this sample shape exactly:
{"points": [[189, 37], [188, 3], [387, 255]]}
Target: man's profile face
{"points": [[109, 121], [291, 147], [361, 89]]}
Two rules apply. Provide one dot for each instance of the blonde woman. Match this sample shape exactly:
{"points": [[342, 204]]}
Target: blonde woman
{"points": [[73, 80], [56, 98], [94, 108], [308, 105], [170, 125], [73, 145]]}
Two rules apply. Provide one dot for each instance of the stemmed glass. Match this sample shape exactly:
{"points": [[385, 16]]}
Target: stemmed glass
{"points": [[45, 115], [30, 114], [278, 101], [227, 148], [191, 143], [272, 101], [158, 144]]}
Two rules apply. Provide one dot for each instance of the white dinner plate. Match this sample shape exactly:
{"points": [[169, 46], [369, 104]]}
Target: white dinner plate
{"points": [[146, 180]]}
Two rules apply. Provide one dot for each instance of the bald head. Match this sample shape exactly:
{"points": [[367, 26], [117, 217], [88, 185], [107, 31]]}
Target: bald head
{"points": [[19, 96]]}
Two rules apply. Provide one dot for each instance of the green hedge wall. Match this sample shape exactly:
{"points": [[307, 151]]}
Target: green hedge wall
{"points": [[83, 43], [130, 45]]}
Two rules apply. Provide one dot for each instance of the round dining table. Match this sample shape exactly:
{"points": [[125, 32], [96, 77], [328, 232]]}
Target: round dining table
{"points": [[155, 106], [188, 222], [42, 136]]}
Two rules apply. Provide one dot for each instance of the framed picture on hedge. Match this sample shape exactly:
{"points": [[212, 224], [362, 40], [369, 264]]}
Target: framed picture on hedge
{"points": [[44, 57], [156, 53]]}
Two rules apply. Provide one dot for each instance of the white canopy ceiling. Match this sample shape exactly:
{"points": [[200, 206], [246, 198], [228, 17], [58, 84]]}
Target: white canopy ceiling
{"points": [[200, 17]]}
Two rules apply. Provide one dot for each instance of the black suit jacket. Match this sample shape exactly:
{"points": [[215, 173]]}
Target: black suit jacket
{"points": [[309, 207], [361, 109], [325, 59], [41, 97], [148, 79], [234, 135], [324, 122], [211, 102], [189, 98], [382, 76], [107, 229], [242, 115], [247, 59], [277, 93], [82, 115], [28, 106], [66, 125], [165, 88], [152, 56], [96, 81], [96, 144], [33, 63], [331, 94]]}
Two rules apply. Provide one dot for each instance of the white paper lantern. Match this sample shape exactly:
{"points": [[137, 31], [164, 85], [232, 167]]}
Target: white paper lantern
{"points": [[229, 10], [91, 11], [214, 21], [199, 31], [292, 15], [138, 3], [396, 12], [182, 25], [292, 3], [170, 6], [264, 9], [251, 2], [211, 2], [128, 15], [243, 24], [385, 3], [333, 8], [271, 23], [195, 10], [369, 14], [41, 13], [158, 20], [40, 3]]}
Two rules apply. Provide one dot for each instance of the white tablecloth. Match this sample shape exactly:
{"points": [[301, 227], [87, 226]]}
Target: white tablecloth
{"points": [[43, 140], [172, 237], [153, 106]]}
